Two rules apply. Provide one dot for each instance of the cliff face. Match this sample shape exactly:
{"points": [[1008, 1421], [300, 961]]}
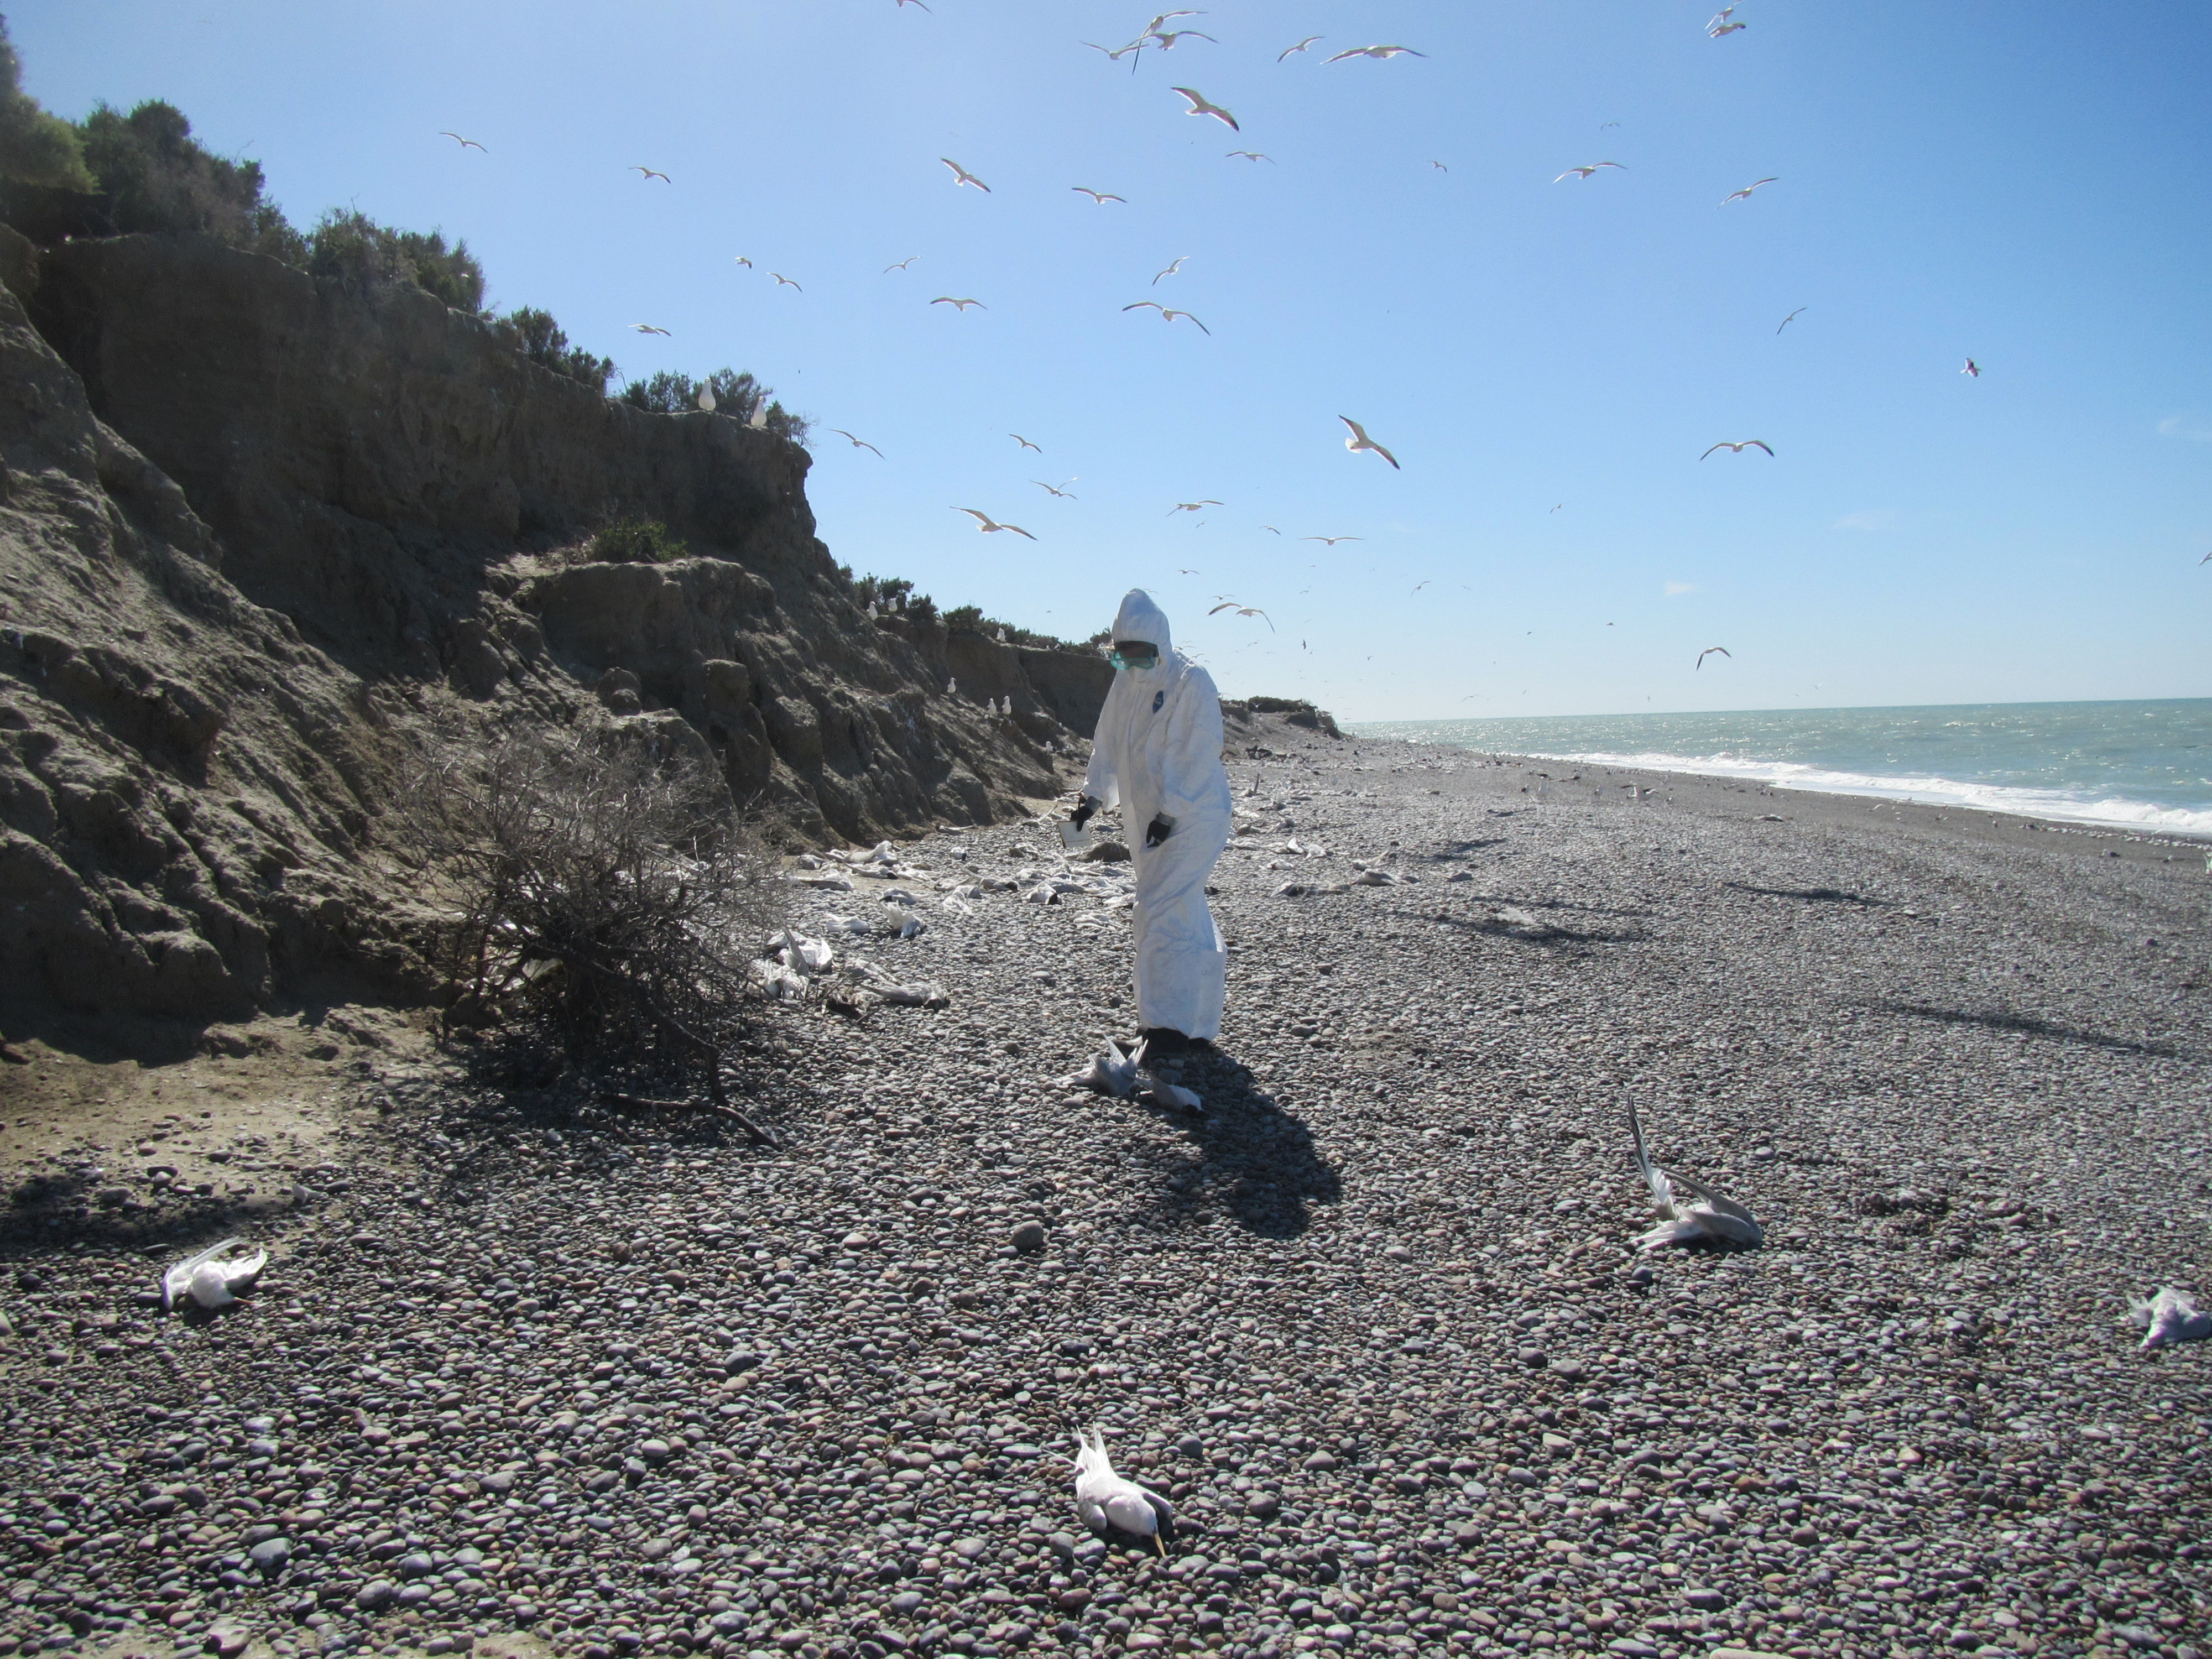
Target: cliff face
{"points": [[256, 525]]}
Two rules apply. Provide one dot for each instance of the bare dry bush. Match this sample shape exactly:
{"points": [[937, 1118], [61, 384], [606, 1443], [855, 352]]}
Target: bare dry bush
{"points": [[601, 901]]}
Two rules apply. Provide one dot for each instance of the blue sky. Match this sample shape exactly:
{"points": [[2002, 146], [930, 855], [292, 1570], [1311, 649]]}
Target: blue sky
{"points": [[2025, 183]]}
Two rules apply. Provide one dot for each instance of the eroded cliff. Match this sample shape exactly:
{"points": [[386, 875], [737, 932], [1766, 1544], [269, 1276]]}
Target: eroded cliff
{"points": [[259, 529]]}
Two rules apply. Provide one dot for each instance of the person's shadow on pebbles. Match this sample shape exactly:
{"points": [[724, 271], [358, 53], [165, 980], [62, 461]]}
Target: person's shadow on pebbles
{"points": [[1248, 1156]]}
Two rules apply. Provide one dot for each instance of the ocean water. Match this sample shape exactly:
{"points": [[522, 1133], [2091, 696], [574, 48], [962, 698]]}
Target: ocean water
{"points": [[2145, 765]]}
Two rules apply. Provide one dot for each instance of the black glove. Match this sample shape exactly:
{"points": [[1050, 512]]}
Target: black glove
{"points": [[1084, 809], [1157, 831]]}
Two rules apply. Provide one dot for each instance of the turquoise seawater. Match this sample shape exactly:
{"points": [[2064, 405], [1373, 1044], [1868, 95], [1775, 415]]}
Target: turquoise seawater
{"points": [[2147, 765]]}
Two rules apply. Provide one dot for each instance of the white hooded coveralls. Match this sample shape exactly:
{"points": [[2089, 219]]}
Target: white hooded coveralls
{"points": [[1157, 755]]}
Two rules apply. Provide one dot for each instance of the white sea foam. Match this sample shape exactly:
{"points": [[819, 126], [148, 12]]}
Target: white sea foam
{"points": [[2071, 806]]}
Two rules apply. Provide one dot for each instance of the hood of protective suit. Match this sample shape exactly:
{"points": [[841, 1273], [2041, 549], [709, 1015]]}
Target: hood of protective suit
{"points": [[1139, 618]]}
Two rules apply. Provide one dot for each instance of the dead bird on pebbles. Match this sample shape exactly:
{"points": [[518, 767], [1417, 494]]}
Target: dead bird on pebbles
{"points": [[1704, 1218], [209, 1280], [1105, 1499], [1114, 1072], [2170, 1317]]}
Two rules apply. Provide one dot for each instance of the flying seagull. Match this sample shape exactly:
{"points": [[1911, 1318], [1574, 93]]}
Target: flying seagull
{"points": [[1704, 1217], [1584, 172], [962, 176], [962, 304], [913, 2], [1712, 650], [1200, 107], [785, 281], [1331, 540], [1720, 24], [1024, 442], [1738, 449], [1117, 54], [984, 523], [1242, 610], [1973, 368], [650, 173], [1249, 155], [1165, 314], [1744, 194], [902, 264], [1054, 489], [1376, 51], [1441, 168], [1360, 441], [1100, 197], [1190, 506], [1167, 40], [465, 143], [647, 328], [746, 262], [1790, 318], [1171, 269], [1291, 52], [857, 443]]}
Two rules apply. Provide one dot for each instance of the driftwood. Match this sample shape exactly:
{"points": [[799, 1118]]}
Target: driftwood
{"points": [[614, 1100]]}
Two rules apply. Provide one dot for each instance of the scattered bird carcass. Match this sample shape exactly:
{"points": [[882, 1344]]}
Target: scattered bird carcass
{"points": [[1113, 1070], [1704, 1218], [211, 1281], [1104, 1499], [2169, 1317]]}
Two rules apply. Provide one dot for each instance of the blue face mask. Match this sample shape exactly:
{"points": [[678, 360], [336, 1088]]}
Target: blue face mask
{"points": [[1148, 657]]}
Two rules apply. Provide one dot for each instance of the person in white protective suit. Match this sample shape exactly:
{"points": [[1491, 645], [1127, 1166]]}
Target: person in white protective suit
{"points": [[1158, 756]]}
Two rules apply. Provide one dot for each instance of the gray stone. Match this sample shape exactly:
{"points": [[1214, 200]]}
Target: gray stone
{"points": [[378, 1593], [270, 1554], [1027, 1237]]}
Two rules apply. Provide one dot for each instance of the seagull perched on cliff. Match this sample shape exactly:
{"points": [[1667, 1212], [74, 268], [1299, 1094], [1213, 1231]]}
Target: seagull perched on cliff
{"points": [[1744, 195], [1105, 1499], [985, 525], [1167, 316], [1584, 172], [707, 398], [647, 328], [962, 176], [650, 173], [1376, 51], [208, 1280], [1200, 107], [1710, 651], [1360, 441], [2170, 1317], [1738, 449], [1100, 197], [465, 143], [1706, 1217]]}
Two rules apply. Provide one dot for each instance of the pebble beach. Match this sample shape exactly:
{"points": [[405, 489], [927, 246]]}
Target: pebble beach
{"points": [[526, 1377]]}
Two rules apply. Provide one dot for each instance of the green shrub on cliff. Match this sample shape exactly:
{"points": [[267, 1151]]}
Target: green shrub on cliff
{"points": [[538, 337], [635, 541], [736, 395], [152, 176], [35, 148], [351, 245]]}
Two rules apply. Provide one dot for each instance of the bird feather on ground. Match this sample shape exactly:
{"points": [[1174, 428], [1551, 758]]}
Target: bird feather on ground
{"points": [[1703, 1218], [1105, 1499], [2170, 1317], [209, 1280]]}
